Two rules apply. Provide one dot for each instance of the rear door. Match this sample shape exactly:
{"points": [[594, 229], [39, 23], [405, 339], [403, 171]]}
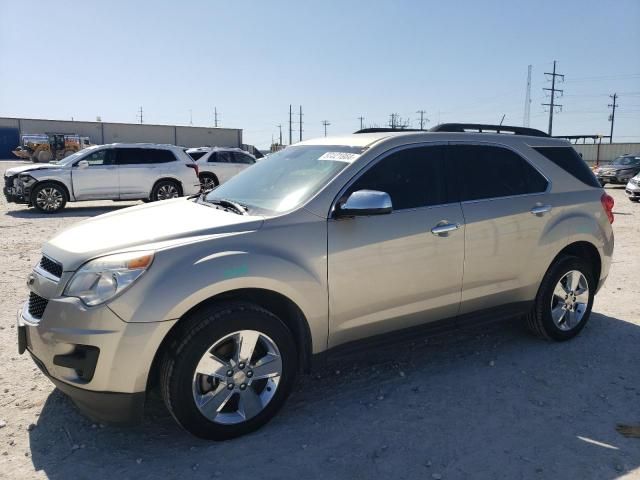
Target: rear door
{"points": [[140, 168], [99, 180], [506, 209], [241, 161]]}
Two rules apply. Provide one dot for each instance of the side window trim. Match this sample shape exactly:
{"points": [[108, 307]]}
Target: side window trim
{"points": [[513, 150], [373, 162]]}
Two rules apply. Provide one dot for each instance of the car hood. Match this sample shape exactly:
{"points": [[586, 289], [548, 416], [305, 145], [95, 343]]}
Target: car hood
{"points": [[25, 168], [151, 226]]}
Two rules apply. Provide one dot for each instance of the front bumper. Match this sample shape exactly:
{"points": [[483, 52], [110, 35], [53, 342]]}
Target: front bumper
{"points": [[89, 353], [616, 178], [632, 190]]}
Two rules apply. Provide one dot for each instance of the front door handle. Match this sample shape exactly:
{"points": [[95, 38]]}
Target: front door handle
{"points": [[443, 230], [540, 210]]}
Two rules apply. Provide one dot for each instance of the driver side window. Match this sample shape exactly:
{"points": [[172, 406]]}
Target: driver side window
{"points": [[413, 177], [101, 157]]}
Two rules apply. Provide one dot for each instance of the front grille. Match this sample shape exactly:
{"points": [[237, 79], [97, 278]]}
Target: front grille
{"points": [[8, 181], [48, 265], [37, 304]]}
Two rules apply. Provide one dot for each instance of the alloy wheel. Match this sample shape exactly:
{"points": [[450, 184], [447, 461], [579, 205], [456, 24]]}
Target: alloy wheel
{"points": [[167, 191], [570, 300], [49, 199], [237, 377]]}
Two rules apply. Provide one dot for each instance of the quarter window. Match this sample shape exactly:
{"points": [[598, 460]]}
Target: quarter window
{"points": [[484, 171], [413, 177]]}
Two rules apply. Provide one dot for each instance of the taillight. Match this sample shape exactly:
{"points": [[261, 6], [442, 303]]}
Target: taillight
{"points": [[195, 168], [607, 203]]}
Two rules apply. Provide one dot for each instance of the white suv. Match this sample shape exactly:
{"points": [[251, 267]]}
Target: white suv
{"points": [[118, 171], [220, 164]]}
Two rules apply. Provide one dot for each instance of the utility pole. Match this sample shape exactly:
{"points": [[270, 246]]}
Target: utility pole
{"points": [[612, 117], [280, 127], [422, 119], [325, 124], [553, 91], [361, 122], [191, 117], [300, 122], [140, 114], [290, 126], [215, 117], [527, 100]]}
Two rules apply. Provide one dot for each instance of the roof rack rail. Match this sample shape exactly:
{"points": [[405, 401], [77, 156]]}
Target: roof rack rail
{"points": [[387, 129], [482, 128]]}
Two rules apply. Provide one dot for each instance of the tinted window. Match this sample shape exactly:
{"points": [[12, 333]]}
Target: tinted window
{"points": [[569, 160], [413, 177], [491, 172], [221, 157], [197, 155], [242, 158], [143, 156]]}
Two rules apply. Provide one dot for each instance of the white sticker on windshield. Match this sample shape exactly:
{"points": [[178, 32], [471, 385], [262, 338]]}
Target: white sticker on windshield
{"points": [[340, 156]]}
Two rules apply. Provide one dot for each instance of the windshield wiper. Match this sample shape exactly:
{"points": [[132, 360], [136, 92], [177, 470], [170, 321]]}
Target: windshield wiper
{"points": [[230, 205]]}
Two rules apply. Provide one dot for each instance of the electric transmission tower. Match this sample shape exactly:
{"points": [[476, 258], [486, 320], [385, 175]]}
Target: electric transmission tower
{"points": [[140, 114], [552, 105], [325, 124], [423, 120]]}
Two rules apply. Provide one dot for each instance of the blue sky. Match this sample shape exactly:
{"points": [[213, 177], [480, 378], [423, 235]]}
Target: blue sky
{"points": [[458, 60]]}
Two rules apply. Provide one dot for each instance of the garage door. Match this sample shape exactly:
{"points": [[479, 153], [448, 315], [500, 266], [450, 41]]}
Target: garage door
{"points": [[9, 140]]}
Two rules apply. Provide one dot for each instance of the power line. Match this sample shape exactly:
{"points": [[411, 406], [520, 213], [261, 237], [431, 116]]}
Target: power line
{"points": [[325, 124], [612, 117], [422, 119], [140, 114], [553, 91]]}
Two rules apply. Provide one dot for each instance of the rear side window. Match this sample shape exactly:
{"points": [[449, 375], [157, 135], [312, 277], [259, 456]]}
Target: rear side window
{"points": [[197, 155], [569, 160], [221, 157], [242, 158], [413, 177], [485, 171], [144, 156]]}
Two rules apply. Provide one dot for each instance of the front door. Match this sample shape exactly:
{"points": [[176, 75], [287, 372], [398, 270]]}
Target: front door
{"points": [[221, 163], [388, 272], [98, 180]]}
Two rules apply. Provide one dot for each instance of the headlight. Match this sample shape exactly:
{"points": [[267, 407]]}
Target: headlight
{"points": [[102, 278]]}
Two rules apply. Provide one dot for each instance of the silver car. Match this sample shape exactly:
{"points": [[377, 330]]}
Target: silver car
{"points": [[221, 299], [117, 171], [220, 164]]}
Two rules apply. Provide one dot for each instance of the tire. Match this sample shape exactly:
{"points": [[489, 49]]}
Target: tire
{"points": [[208, 181], [541, 319], [634, 200], [165, 189], [49, 197], [44, 156], [218, 329]]}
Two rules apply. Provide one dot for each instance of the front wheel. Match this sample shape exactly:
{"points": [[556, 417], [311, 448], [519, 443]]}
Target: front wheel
{"points": [[49, 198], [563, 304], [229, 370]]}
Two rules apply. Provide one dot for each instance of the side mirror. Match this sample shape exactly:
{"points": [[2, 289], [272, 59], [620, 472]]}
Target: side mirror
{"points": [[365, 202], [83, 164]]}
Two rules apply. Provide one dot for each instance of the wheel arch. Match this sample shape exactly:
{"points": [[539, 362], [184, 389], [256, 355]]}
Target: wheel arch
{"points": [[278, 304], [207, 173], [168, 179], [586, 251], [57, 182]]}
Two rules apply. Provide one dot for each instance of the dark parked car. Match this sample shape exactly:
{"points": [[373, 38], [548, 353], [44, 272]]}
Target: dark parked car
{"points": [[620, 171]]}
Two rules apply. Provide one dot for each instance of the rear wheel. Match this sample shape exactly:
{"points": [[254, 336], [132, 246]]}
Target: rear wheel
{"points": [[229, 370], [563, 304], [44, 156], [49, 197], [165, 190]]}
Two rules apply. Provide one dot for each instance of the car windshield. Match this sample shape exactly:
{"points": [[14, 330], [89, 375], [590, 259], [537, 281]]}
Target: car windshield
{"points": [[286, 179], [627, 160]]}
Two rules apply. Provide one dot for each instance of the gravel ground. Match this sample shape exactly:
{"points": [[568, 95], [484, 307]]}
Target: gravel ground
{"points": [[486, 403]]}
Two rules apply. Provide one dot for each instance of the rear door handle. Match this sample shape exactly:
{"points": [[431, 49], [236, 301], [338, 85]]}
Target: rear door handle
{"points": [[444, 229], [540, 210]]}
